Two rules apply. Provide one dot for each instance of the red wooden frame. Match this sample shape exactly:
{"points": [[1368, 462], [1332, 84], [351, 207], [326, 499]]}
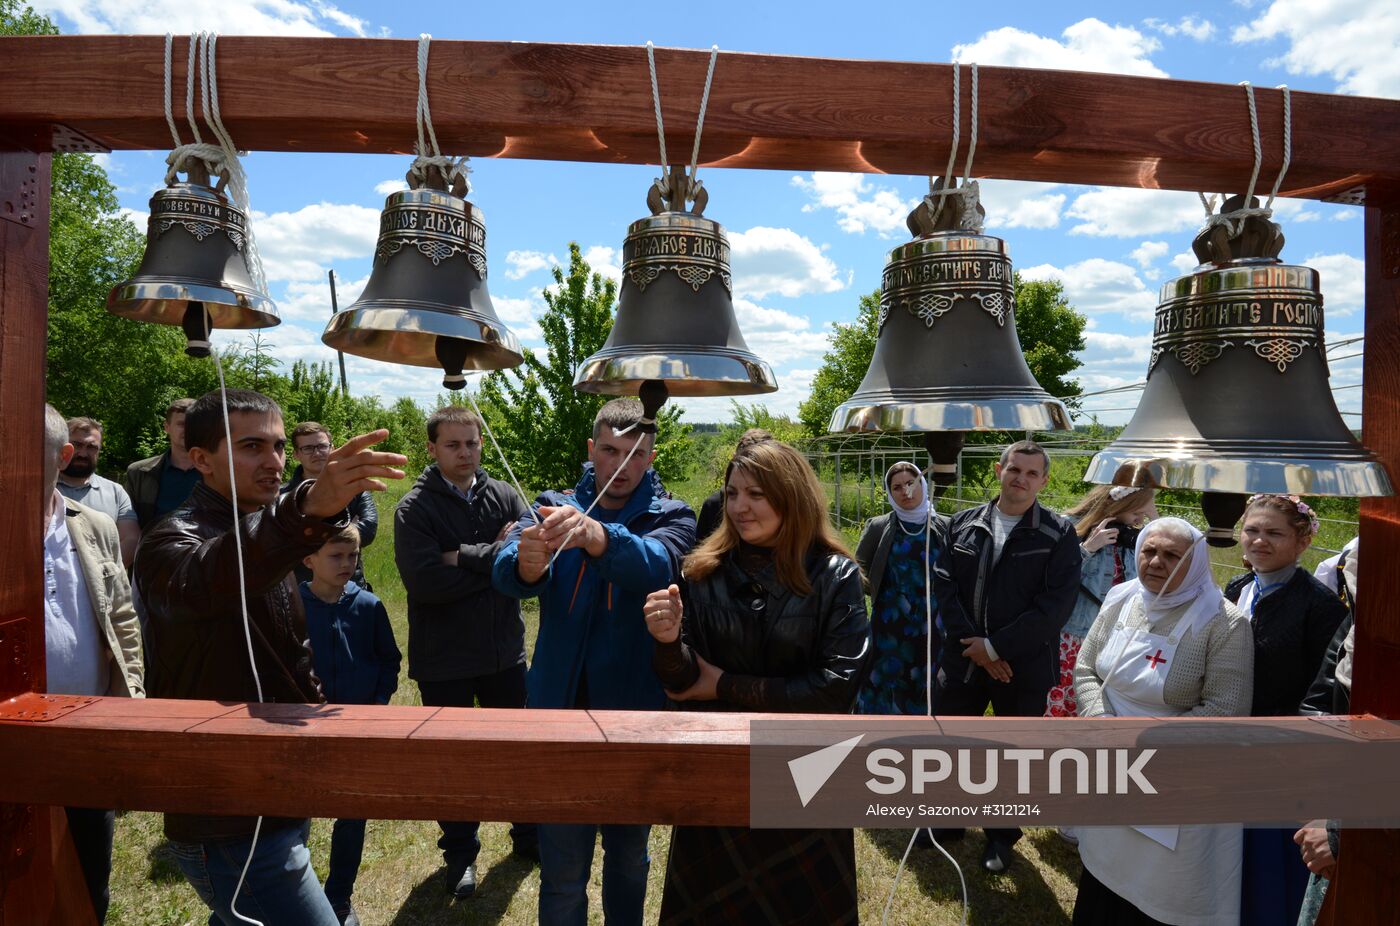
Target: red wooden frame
{"points": [[592, 103]]}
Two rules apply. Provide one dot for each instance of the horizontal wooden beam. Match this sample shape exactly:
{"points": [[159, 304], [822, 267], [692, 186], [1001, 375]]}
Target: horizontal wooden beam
{"points": [[598, 766], [593, 103]]}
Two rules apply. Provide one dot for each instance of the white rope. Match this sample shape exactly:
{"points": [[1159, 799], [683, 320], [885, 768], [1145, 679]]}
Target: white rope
{"points": [[429, 154], [656, 102], [238, 180], [968, 192], [693, 185], [242, 604], [1234, 220], [506, 463], [885, 916], [563, 544], [211, 155], [704, 104], [169, 115]]}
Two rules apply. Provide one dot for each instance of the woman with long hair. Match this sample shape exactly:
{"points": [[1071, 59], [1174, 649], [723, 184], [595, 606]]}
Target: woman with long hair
{"points": [[1107, 521], [770, 617], [1295, 618], [902, 554]]}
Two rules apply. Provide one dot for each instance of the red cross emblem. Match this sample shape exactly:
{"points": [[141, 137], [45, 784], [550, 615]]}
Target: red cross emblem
{"points": [[1155, 659]]}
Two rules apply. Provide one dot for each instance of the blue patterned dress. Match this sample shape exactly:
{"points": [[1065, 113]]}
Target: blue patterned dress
{"points": [[898, 629]]}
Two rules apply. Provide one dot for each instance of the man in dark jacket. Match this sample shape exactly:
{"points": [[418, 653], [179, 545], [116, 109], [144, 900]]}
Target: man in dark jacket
{"points": [[311, 447], [593, 648], [1016, 564], [160, 484], [187, 569], [466, 642]]}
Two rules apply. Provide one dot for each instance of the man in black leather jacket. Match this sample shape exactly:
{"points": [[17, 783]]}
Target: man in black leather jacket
{"points": [[311, 447], [1016, 564], [188, 572]]}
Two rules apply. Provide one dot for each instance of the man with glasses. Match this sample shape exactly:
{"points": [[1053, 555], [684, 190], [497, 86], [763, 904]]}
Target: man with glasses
{"points": [[311, 447]]}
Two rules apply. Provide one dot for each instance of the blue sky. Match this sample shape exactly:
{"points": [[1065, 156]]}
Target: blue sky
{"points": [[805, 246]]}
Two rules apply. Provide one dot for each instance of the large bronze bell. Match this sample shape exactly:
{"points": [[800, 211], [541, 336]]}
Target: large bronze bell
{"points": [[195, 269], [947, 359], [426, 302], [1237, 400], [675, 313]]}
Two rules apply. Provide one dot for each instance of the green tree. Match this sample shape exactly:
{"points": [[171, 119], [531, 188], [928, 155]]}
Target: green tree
{"points": [[1050, 331], [843, 366], [22, 20], [540, 420]]}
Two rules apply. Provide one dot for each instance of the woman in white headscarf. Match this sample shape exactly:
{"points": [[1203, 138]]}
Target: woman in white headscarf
{"points": [[901, 554], [1166, 644]]}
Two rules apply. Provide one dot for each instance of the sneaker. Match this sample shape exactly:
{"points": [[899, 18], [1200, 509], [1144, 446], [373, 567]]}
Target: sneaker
{"points": [[1069, 834], [463, 885], [997, 857]]}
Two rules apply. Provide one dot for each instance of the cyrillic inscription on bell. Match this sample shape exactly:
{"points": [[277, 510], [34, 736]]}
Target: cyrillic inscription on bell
{"points": [[947, 357], [426, 302], [1237, 397], [675, 319], [195, 261]]}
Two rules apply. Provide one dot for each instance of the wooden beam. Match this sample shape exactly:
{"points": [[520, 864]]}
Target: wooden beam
{"points": [[593, 103]]}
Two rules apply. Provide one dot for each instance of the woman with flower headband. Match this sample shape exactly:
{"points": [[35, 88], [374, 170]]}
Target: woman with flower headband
{"points": [[1107, 521], [1294, 617]]}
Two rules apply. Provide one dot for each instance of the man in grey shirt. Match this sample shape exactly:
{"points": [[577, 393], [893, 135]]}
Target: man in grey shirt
{"points": [[80, 482]]}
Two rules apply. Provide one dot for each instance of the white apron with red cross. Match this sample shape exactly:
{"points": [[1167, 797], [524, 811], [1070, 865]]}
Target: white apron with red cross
{"points": [[1184, 875]]}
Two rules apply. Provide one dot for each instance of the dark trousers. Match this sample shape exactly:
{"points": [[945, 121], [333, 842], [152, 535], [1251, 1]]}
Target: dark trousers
{"points": [[92, 837], [347, 847], [459, 842], [960, 693]]}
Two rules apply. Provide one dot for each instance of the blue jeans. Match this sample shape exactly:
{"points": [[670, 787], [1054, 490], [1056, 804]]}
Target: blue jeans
{"points": [[566, 859], [280, 890], [347, 846]]}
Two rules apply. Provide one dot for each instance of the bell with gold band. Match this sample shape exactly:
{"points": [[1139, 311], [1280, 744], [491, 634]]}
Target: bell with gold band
{"points": [[947, 359], [426, 303], [1237, 400], [195, 272], [675, 322]]}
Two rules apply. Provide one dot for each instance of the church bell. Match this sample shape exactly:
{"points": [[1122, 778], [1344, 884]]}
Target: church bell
{"points": [[195, 271], [426, 302], [675, 321], [947, 359], [1237, 400]]}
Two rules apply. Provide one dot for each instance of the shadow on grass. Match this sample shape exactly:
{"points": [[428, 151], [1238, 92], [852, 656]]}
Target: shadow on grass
{"points": [[1018, 896], [163, 869], [429, 904]]}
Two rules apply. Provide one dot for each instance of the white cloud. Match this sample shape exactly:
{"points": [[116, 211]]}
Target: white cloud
{"points": [[1088, 45], [1098, 286], [767, 261], [1149, 252], [249, 17], [1126, 212], [385, 187], [301, 245], [309, 300], [1185, 262], [1343, 281], [1021, 203], [520, 314], [524, 263], [1346, 215], [605, 260], [777, 336], [859, 204], [1193, 27], [1351, 41]]}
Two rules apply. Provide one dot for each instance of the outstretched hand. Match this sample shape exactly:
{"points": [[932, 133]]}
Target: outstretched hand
{"points": [[351, 469]]}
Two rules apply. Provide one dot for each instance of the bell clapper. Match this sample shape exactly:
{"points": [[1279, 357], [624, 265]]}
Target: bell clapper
{"points": [[197, 326], [452, 354], [943, 449]]}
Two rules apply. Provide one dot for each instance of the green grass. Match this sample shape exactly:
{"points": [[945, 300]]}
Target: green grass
{"points": [[400, 881]]}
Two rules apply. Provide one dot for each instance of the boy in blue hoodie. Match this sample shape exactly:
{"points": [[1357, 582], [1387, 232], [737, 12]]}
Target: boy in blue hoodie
{"points": [[357, 660]]}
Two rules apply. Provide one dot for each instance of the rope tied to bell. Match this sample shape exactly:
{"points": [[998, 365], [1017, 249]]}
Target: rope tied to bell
{"points": [[1234, 219]]}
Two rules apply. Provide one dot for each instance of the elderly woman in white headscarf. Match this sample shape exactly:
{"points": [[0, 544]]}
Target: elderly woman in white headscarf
{"points": [[1166, 644], [903, 557]]}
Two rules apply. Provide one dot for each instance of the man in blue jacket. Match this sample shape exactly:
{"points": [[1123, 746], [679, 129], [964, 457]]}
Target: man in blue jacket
{"points": [[593, 649]]}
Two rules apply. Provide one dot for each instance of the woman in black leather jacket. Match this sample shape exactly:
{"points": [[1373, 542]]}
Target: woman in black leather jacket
{"points": [[771, 618]]}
